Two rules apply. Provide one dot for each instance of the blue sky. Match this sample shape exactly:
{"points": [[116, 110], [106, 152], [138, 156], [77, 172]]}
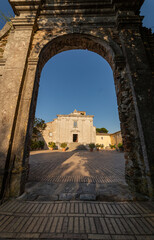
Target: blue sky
{"points": [[81, 80]]}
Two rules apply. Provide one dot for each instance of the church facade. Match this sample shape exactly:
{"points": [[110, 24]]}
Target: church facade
{"points": [[77, 127]]}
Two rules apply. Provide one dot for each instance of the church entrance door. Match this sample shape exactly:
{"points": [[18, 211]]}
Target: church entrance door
{"points": [[75, 137]]}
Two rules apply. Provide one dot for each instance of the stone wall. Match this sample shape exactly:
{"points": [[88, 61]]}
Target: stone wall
{"points": [[111, 28], [49, 134], [116, 138]]}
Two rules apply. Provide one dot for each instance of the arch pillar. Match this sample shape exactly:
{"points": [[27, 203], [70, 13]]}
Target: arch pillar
{"points": [[16, 54], [26, 114], [141, 138]]}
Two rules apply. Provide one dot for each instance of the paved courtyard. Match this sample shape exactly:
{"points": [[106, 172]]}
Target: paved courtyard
{"points": [[77, 175], [77, 166]]}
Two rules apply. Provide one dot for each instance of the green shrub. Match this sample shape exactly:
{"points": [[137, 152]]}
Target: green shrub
{"points": [[112, 146], [63, 145], [92, 145], [41, 144], [51, 144], [98, 145], [36, 145], [101, 146], [120, 145]]}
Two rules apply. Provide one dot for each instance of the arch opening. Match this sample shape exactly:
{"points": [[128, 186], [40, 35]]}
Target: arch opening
{"points": [[40, 53], [75, 166], [38, 33]]}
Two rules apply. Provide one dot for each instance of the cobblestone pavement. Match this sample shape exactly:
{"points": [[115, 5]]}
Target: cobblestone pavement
{"points": [[77, 175], [76, 220]]}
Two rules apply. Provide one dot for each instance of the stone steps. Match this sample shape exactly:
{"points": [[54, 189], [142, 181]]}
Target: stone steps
{"points": [[76, 146]]}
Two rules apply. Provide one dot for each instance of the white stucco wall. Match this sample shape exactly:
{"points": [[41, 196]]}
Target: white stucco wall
{"points": [[62, 129], [103, 139]]}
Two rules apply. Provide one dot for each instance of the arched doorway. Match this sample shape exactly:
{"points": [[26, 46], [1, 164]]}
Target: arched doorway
{"points": [[83, 80], [78, 41], [36, 38]]}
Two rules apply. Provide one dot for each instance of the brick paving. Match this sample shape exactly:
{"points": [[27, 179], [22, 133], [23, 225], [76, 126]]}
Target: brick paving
{"points": [[78, 166], [55, 172], [76, 220], [72, 175]]}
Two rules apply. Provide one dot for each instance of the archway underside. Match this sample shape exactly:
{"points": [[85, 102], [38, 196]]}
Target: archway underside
{"points": [[66, 42]]}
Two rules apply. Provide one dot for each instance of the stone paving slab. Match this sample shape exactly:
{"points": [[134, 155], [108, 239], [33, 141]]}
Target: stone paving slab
{"points": [[76, 220]]}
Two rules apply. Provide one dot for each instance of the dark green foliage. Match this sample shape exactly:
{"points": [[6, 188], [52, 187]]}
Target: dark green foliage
{"points": [[92, 145], [63, 145], [101, 130], [112, 146], [37, 145], [98, 145], [120, 146], [51, 144], [41, 144], [39, 126]]}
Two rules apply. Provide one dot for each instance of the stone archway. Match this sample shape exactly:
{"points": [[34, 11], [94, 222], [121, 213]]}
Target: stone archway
{"points": [[39, 32]]}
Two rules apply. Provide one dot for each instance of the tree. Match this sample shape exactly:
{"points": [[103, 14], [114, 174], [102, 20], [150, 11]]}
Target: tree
{"points": [[39, 126], [101, 130]]}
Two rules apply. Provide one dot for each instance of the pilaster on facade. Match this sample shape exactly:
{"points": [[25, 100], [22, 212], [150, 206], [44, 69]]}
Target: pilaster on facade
{"points": [[26, 14]]}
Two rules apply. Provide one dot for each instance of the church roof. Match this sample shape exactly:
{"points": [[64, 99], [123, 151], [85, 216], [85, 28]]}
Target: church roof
{"points": [[75, 113], [79, 112]]}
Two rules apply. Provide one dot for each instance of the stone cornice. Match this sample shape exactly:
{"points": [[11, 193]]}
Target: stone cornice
{"points": [[26, 13], [25, 6], [75, 130], [92, 4], [89, 7], [128, 5], [76, 116], [131, 21], [26, 23], [81, 7]]}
